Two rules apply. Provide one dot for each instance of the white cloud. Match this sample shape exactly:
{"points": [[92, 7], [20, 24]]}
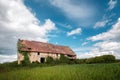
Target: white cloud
{"points": [[109, 44], [112, 34], [84, 43], [7, 58], [72, 10], [81, 51], [67, 26], [101, 23], [75, 31], [81, 13], [17, 21], [95, 52], [112, 4], [106, 18]]}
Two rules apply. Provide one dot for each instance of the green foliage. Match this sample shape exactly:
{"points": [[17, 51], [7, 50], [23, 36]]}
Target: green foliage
{"points": [[13, 66], [8, 66], [64, 59], [20, 46], [80, 61], [108, 58], [65, 72], [101, 59], [26, 60], [49, 60]]}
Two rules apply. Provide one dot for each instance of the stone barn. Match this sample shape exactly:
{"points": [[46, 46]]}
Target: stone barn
{"points": [[39, 51]]}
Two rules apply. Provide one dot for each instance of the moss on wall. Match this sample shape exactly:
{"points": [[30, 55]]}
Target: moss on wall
{"points": [[25, 54]]}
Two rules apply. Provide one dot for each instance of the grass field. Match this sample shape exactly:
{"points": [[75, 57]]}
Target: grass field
{"points": [[66, 72]]}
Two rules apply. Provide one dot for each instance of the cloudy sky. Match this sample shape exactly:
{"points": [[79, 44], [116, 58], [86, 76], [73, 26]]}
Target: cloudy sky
{"points": [[90, 27]]}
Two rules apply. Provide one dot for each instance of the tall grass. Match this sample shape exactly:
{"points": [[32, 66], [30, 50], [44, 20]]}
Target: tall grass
{"points": [[66, 72]]}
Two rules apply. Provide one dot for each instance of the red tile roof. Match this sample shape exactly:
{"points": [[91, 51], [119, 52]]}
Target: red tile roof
{"points": [[35, 46]]}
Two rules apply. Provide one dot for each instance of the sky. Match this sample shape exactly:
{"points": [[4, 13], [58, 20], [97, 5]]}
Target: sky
{"points": [[89, 27]]}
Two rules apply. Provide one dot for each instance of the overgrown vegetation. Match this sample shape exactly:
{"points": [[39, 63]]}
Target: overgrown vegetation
{"points": [[60, 69], [20, 46], [62, 60], [101, 59], [66, 72], [26, 60], [6, 67], [49, 60]]}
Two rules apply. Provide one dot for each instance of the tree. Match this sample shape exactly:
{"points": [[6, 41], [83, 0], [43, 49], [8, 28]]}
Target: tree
{"points": [[108, 58], [64, 59], [101, 59], [49, 59]]}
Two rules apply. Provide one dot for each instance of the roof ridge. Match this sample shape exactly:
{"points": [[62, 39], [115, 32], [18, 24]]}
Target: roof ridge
{"points": [[46, 47], [43, 42]]}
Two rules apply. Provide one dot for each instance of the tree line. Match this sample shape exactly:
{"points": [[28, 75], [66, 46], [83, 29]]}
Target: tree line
{"points": [[97, 59]]}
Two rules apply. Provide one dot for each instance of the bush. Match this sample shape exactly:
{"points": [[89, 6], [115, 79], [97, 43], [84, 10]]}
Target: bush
{"points": [[80, 61], [101, 59], [64, 59], [49, 60], [108, 58], [26, 60]]}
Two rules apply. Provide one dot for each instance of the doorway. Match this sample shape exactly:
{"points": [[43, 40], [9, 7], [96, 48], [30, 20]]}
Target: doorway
{"points": [[42, 59]]}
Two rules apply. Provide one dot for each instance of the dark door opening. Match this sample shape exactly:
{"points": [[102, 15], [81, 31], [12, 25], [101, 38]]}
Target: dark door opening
{"points": [[42, 60]]}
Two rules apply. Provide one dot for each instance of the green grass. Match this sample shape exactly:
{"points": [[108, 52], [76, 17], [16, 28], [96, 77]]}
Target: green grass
{"points": [[66, 72]]}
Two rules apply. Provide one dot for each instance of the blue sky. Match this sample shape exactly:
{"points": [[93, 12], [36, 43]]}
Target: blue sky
{"points": [[98, 11], [87, 26], [65, 22]]}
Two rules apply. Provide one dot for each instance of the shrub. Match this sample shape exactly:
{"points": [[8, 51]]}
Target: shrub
{"points": [[49, 59], [101, 59], [80, 61], [108, 58], [26, 60], [64, 59]]}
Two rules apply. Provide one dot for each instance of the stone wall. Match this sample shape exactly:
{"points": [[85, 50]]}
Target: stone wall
{"points": [[20, 58], [35, 56]]}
